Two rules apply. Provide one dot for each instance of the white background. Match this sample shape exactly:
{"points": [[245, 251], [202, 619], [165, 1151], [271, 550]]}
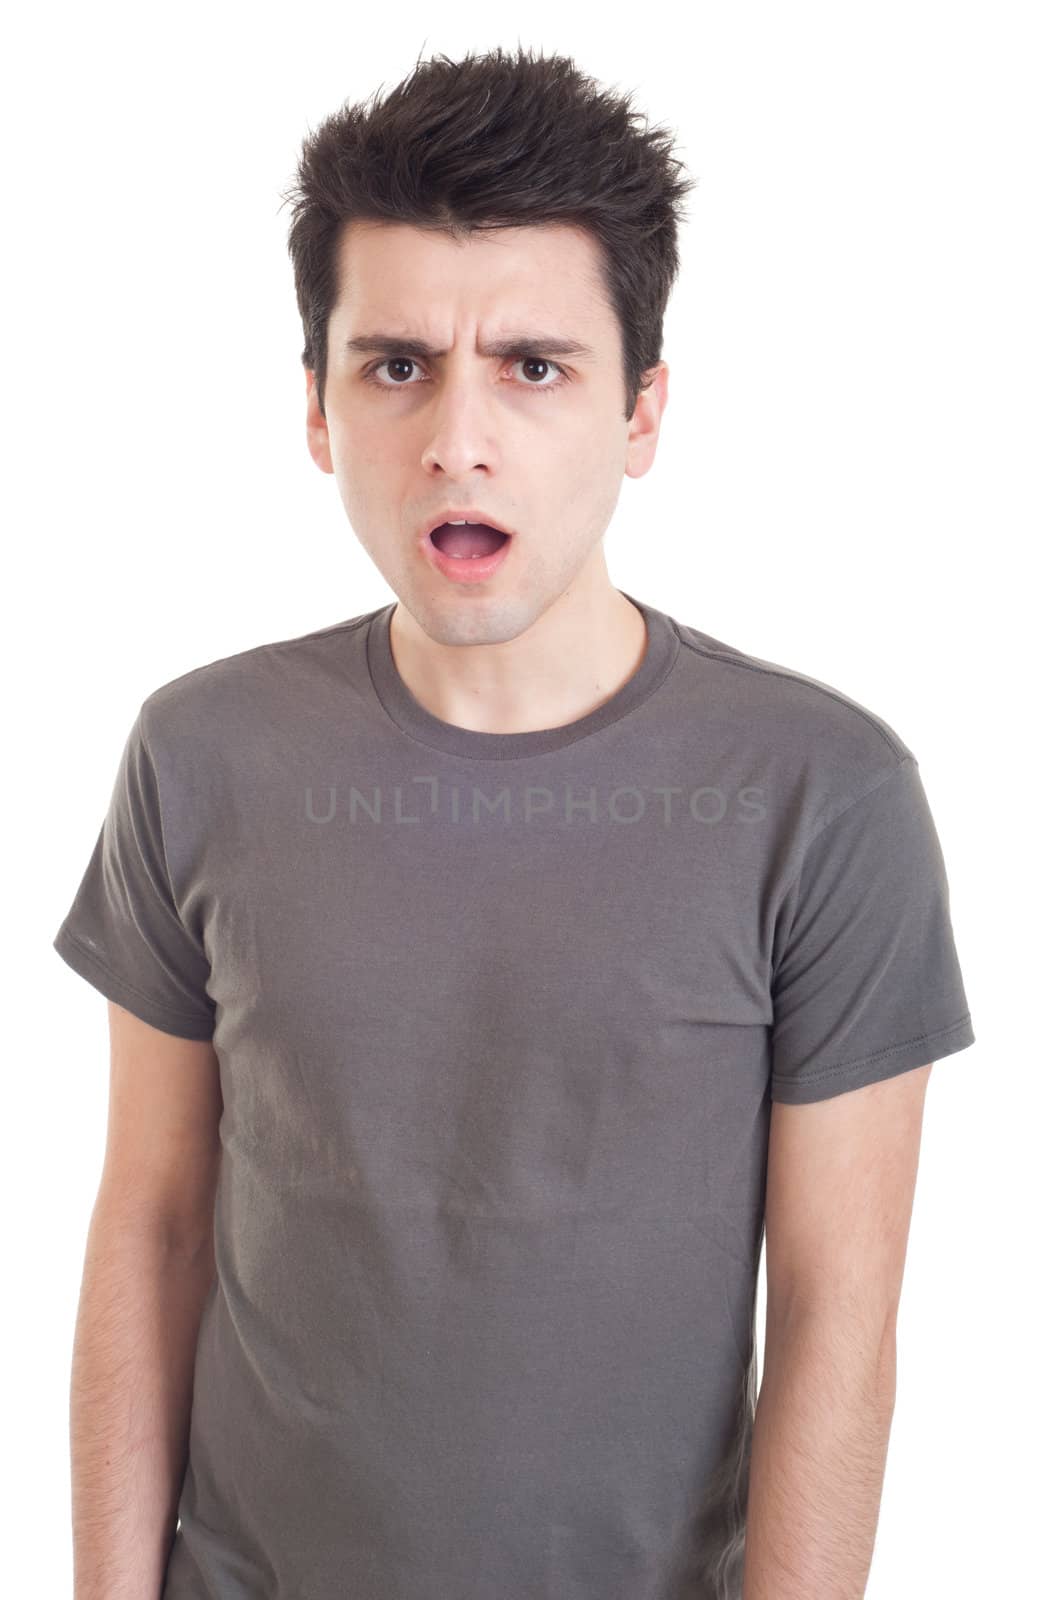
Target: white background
{"points": [[858, 477]]}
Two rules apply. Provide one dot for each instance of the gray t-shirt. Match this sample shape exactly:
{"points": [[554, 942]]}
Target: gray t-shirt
{"points": [[499, 1020]]}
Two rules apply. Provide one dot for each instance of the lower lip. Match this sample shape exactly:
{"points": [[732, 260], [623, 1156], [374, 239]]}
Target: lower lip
{"points": [[466, 569]]}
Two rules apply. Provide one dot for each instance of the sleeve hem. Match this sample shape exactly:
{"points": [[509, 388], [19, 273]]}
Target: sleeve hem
{"points": [[88, 965], [928, 1047]]}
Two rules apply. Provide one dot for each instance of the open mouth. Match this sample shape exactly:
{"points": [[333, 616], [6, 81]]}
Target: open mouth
{"points": [[468, 541]]}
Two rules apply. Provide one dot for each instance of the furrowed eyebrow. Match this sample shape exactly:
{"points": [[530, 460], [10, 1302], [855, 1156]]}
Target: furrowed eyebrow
{"points": [[524, 344]]}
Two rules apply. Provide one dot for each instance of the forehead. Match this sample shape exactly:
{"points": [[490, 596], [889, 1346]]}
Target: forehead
{"points": [[394, 274]]}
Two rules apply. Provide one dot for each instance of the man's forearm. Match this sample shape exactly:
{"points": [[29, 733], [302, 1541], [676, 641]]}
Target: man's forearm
{"points": [[138, 1318], [818, 1457]]}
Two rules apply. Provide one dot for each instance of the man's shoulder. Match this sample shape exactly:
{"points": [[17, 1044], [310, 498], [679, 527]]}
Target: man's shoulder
{"points": [[807, 724], [250, 686]]}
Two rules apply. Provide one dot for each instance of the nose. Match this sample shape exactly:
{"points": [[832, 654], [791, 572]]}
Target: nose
{"points": [[461, 426]]}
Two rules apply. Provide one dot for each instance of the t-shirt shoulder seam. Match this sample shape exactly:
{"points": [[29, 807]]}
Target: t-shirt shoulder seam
{"points": [[791, 675], [830, 817]]}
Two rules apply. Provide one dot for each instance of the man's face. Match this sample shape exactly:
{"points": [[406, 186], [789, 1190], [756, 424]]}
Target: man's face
{"points": [[536, 441]]}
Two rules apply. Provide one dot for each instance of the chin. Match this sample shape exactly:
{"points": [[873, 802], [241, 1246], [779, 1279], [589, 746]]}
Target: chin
{"points": [[456, 618]]}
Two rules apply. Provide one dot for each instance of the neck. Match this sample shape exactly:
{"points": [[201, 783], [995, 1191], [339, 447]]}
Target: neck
{"points": [[572, 658]]}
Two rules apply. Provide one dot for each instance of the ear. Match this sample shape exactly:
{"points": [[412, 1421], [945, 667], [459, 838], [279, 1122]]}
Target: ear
{"points": [[643, 430], [317, 438]]}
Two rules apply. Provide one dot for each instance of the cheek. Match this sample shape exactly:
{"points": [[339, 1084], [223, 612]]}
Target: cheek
{"points": [[365, 461], [594, 439], [587, 466]]}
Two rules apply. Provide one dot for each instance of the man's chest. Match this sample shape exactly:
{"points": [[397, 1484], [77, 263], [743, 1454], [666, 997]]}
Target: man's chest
{"points": [[578, 1005]]}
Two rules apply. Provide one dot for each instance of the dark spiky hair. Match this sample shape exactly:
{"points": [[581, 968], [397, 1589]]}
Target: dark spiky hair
{"points": [[493, 141]]}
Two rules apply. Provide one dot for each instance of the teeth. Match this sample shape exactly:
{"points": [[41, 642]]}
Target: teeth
{"points": [[459, 524]]}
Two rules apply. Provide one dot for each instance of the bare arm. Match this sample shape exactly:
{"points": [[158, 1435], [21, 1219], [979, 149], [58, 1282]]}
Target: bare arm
{"points": [[149, 1263], [818, 1460], [841, 1182]]}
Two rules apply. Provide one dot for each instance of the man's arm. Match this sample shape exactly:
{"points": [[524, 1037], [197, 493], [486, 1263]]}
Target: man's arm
{"points": [[149, 1263], [840, 1186]]}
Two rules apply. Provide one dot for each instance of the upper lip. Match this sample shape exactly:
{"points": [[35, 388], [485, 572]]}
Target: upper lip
{"points": [[460, 514]]}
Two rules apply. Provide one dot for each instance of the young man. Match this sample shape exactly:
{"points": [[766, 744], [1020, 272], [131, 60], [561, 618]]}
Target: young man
{"points": [[486, 970]]}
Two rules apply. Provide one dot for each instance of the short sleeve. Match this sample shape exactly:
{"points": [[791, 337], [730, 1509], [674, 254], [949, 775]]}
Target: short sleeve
{"points": [[866, 982], [124, 933]]}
